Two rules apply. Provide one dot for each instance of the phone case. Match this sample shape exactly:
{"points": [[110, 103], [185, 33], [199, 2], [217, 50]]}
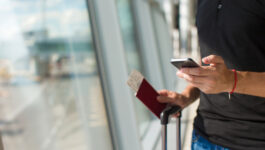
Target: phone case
{"points": [[184, 63]]}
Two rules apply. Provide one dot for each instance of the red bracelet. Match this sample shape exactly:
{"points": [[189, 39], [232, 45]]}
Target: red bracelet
{"points": [[235, 73]]}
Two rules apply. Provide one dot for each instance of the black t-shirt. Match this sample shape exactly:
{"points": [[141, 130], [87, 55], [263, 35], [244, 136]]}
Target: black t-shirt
{"points": [[235, 30]]}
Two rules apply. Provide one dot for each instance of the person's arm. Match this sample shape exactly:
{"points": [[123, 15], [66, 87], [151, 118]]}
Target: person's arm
{"points": [[192, 93], [251, 83], [217, 78], [188, 96]]}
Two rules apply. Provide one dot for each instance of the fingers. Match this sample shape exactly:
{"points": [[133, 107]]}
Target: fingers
{"points": [[176, 115], [166, 96], [204, 70], [163, 92], [165, 99], [213, 59], [198, 71], [193, 78], [197, 85], [171, 98]]}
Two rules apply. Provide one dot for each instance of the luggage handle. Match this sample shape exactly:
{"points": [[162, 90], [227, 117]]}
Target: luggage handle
{"points": [[164, 117]]}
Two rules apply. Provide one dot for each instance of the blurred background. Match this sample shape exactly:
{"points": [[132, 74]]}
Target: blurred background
{"points": [[64, 66]]}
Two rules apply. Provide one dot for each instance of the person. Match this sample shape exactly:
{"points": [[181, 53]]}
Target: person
{"points": [[230, 82]]}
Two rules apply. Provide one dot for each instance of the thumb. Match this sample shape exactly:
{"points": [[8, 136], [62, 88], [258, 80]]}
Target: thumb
{"points": [[213, 59], [176, 115]]}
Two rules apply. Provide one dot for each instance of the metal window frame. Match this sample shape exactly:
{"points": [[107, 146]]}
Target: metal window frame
{"points": [[155, 62], [165, 46], [147, 42], [114, 72], [153, 37], [111, 54]]}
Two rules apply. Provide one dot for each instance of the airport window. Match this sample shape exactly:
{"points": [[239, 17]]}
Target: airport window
{"points": [[133, 57], [50, 91]]}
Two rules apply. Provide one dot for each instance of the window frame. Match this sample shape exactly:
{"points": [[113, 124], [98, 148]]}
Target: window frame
{"points": [[110, 54]]}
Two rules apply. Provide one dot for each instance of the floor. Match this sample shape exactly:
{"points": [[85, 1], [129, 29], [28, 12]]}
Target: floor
{"points": [[51, 115]]}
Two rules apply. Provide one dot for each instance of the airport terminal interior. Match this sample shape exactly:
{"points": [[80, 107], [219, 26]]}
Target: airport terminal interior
{"points": [[64, 65]]}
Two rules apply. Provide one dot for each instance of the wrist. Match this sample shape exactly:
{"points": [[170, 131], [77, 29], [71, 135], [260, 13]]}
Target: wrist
{"points": [[235, 81], [243, 79], [232, 81], [191, 93], [185, 100]]}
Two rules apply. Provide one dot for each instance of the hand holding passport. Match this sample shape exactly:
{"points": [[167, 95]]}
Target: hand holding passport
{"points": [[145, 92]]}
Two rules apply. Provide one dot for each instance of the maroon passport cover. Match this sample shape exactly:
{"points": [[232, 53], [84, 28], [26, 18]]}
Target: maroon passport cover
{"points": [[147, 94]]}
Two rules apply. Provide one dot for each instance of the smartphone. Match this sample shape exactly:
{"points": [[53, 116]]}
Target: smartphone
{"points": [[184, 63]]}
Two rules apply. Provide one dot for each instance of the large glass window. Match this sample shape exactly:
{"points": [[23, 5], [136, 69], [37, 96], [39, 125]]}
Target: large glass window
{"points": [[133, 58], [50, 93]]}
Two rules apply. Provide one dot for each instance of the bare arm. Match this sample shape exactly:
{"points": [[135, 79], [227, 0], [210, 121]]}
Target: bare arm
{"points": [[192, 93], [217, 78], [251, 83]]}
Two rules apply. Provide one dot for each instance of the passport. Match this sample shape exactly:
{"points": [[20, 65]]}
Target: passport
{"points": [[145, 93]]}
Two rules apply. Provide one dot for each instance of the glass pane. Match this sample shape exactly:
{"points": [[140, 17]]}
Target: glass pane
{"points": [[133, 58], [50, 93]]}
